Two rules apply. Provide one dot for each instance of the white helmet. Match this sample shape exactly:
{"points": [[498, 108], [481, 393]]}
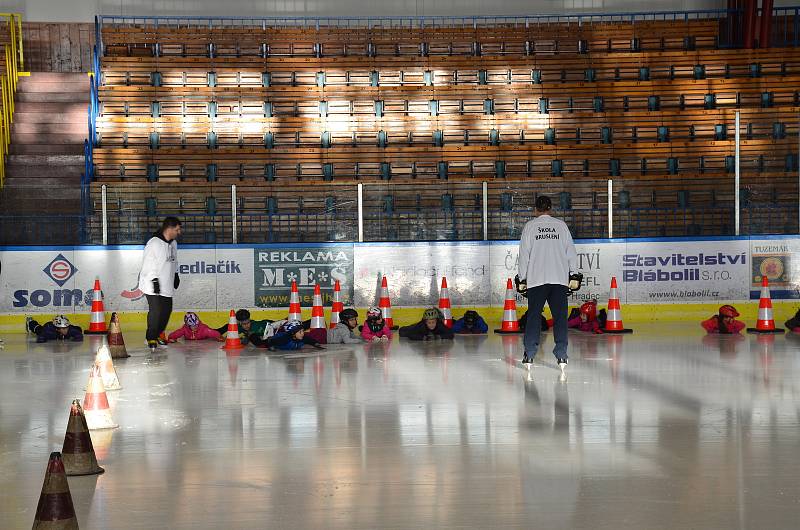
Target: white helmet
{"points": [[61, 321]]}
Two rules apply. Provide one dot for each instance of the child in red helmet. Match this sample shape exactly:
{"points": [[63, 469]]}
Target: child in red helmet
{"points": [[724, 322], [794, 323], [586, 319]]}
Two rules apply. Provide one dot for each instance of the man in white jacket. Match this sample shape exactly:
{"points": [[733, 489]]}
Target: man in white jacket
{"points": [[158, 278], [546, 258]]}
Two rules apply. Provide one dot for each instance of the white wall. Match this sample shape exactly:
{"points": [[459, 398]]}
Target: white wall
{"points": [[84, 10]]}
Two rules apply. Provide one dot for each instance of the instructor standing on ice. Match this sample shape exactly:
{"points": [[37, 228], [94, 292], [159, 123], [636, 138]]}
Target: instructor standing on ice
{"points": [[158, 278], [547, 259]]}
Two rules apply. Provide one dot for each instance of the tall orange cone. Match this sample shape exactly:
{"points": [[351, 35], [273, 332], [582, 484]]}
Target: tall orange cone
{"points": [[95, 403], [97, 323], [765, 322], [614, 321], [107, 370], [444, 304], [116, 344], [55, 510], [317, 312], [294, 304], [78, 451], [510, 323], [337, 306], [385, 304], [232, 340]]}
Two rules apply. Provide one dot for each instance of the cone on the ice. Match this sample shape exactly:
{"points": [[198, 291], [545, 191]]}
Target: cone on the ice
{"points": [[116, 344], [444, 304], [78, 450], [510, 323], [337, 306], [95, 403], [385, 304], [614, 311], [107, 370], [317, 312], [765, 322], [232, 340], [295, 311], [55, 510], [97, 322]]}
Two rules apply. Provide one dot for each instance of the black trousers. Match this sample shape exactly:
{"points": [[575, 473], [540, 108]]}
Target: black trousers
{"points": [[159, 309], [556, 297]]}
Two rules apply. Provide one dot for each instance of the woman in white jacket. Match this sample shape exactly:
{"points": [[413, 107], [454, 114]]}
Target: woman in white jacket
{"points": [[158, 278]]}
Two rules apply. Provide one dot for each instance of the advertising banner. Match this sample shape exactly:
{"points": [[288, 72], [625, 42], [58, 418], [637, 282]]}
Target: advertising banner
{"points": [[773, 258]]}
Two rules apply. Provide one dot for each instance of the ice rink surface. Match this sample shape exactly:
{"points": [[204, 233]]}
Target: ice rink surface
{"points": [[662, 429]]}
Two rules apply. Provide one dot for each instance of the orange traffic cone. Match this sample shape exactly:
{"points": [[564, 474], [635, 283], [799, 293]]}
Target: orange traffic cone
{"points": [[510, 323], [317, 312], [55, 510], [232, 340], [444, 304], [97, 324], [107, 371], [95, 403], [78, 451], [337, 306], [116, 344], [294, 304], [385, 304], [765, 322], [614, 319]]}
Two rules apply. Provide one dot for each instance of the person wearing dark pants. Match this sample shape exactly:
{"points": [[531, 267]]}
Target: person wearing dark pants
{"points": [[547, 259], [159, 279]]}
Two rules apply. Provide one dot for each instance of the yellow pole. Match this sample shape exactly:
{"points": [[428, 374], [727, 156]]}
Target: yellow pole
{"points": [[19, 28]]}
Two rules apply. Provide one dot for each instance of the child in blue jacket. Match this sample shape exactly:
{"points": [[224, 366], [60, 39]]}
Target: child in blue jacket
{"points": [[470, 324], [292, 337]]}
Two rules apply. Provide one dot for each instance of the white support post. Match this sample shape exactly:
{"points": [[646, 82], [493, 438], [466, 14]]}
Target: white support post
{"points": [[610, 209], [235, 237], [485, 206], [360, 212], [105, 215], [736, 178]]}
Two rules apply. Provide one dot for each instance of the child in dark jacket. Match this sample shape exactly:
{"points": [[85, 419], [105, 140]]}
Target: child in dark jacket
{"points": [[292, 337], [543, 322], [794, 323], [586, 320], [431, 327], [193, 329], [724, 322], [58, 329], [470, 324], [375, 328]]}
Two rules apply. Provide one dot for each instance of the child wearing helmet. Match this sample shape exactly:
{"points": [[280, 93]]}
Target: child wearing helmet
{"points": [[375, 328], [431, 327], [586, 320], [292, 336], [193, 329], [724, 322], [794, 323], [343, 332], [470, 324], [249, 330], [57, 329]]}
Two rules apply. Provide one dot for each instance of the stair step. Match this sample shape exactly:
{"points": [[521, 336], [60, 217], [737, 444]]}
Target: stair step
{"points": [[73, 129], [66, 107], [49, 138], [77, 88], [56, 77], [14, 171], [41, 149], [44, 160], [67, 97]]}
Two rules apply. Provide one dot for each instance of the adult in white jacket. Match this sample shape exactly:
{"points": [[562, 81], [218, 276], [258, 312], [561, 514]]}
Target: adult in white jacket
{"points": [[158, 277], [546, 258]]}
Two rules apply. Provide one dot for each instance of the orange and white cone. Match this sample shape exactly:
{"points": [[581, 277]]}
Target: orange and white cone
{"points": [[55, 510], [510, 323], [97, 322], [294, 304], [444, 304], [337, 306], [385, 304], [107, 370], [95, 403], [78, 451], [614, 320], [765, 322], [317, 311], [116, 344], [232, 340]]}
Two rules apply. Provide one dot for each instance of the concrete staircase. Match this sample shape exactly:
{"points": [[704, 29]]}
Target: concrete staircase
{"points": [[45, 162]]}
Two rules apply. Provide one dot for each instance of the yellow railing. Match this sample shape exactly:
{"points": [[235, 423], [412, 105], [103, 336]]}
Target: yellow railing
{"points": [[11, 42]]}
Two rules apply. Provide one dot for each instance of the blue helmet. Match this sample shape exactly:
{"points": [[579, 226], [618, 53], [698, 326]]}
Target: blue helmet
{"points": [[292, 327]]}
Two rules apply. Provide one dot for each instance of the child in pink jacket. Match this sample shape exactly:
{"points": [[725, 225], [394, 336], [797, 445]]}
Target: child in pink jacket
{"points": [[193, 329], [375, 328], [586, 319]]}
